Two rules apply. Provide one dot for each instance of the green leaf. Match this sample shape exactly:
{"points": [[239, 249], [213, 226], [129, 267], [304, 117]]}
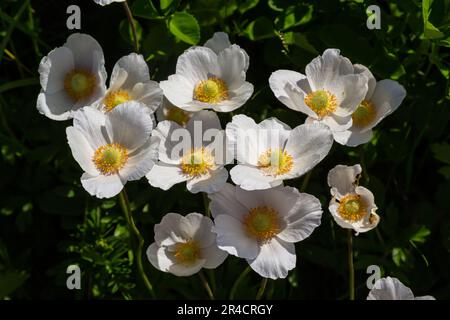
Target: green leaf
{"points": [[261, 28], [11, 281], [127, 33], [145, 9], [169, 5], [399, 256], [430, 31], [246, 5], [441, 152], [185, 27], [293, 17], [420, 235]]}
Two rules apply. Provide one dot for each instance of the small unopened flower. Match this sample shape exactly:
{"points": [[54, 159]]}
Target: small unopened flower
{"points": [[195, 154], [211, 77], [330, 92], [170, 112], [106, 2], [392, 289], [382, 98], [352, 206], [270, 152], [71, 76], [185, 245], [112, 148], [262, 226], [130, 81]]}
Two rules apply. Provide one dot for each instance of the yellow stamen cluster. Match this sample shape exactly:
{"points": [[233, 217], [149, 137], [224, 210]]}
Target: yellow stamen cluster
{"points": [[79, 84], [322, 102], [114, 98], [197, 163], [275, 162], [261, 223], [352, 208], [213, 90], [364, 115], [187, 253], [177, 115], [110, 158]]}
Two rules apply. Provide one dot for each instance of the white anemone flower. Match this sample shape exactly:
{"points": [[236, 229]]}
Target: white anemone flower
{"points": [[71, 77], [130, 81], [168, 111], [382, 98], [185, 245], [329, 92], [198, 159], [112, 148], [392, 289], [352, 206], [270, 152], [212, 76], [106, 2], [262, 226]]}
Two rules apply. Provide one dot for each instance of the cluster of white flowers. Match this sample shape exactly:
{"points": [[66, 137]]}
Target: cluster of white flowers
{"points": [[114, 139]]}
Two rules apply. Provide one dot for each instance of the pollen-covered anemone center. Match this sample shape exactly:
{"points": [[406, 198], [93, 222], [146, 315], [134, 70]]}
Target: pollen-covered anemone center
{"points": [[352, 208], [187, 252], [275, 162], [364, 114], [177, 115], [79, 84], [322, 102], [110, 158], [114, 98], [213, 90], [262, 223], [198, 162]]}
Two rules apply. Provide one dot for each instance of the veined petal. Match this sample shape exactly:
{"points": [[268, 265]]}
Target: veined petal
{"points": [[102, 186]]}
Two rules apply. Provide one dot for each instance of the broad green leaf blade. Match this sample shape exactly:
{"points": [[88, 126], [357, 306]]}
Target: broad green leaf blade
{"points": [[185, 27]]}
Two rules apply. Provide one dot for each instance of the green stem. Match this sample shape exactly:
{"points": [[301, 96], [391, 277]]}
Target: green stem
{"points": [[133, 27], [206, 204], [238, 282], [351, 270], [262, 288], [125, 204], [305, 181], [206, 285]]}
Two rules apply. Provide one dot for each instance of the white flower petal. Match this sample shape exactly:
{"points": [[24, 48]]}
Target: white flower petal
{"points": [[232, 62], [87, 52], [231, 237], [390, 289], [165, 176], [106, 2], [337, 123], [82, 151], [197, 64], [236, 98], [129, 124], [148, 93], [252, 178], [275, 259], [341, 179], [285, 86], [218, 42], [302, 218], [371, 83], [179, 90], [102, 186], [204, 120], [53, 69], [387, 97], [225, 202], [333, 208], [324, 70], [136, 69], [91, 123], [167, 131], [350, 90], [209, 183], [55, 106], [353, 138], [141, 161], [308, 144], [213, 256]]}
